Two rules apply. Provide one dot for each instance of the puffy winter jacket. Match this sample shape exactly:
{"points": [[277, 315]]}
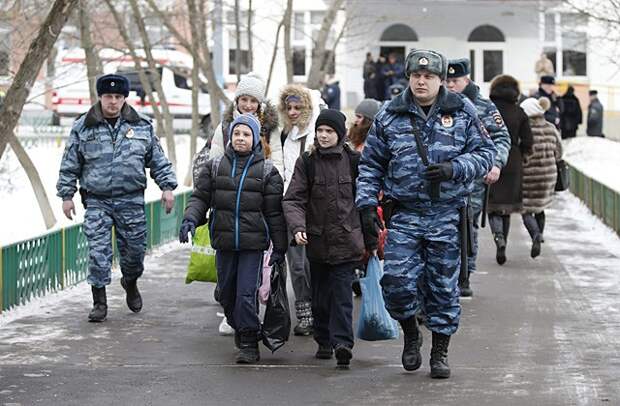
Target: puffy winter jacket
{"points": [[246, 204]]}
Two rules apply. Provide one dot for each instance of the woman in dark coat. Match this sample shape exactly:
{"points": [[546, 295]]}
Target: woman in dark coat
{"points": [[505, 196], [570, 114]]}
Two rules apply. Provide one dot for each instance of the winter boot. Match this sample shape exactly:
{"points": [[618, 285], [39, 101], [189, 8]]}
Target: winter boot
{"points": [[411, 358], [536, 246], [500, 243], [343, 356], [324, 352], [466, 290], [134, 300], [100, 305], [439, 356], [304, 315], [248, 348]]}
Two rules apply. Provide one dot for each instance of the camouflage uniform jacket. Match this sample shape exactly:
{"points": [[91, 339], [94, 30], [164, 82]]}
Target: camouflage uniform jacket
{"points": [[110, 162], [391, 162]]}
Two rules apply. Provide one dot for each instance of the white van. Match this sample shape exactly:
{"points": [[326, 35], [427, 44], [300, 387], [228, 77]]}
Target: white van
{"points": [[71, 96]]}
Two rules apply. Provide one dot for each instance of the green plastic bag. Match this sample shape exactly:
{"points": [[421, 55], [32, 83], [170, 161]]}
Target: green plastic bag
{"points": [[201, 266]]}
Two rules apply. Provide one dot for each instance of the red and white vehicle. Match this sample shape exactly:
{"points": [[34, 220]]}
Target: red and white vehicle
{"points": [[71, 95]]}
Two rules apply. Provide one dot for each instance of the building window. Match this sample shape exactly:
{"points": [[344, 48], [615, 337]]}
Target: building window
{"points": [[399, 32], [299, 61], [493, 64], [552, 54], [574, 45], [486, 33], [298, 27], [316, 17], [4, 63], [550, 27], [232, 53]]}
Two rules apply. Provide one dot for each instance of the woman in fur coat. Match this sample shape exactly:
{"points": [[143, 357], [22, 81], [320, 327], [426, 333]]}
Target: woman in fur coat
{"points": [[539, 170]]}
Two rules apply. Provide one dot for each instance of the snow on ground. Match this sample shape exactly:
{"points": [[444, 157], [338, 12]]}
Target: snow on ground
{"points": [[19, 212], [597, 158], [78, 295]]}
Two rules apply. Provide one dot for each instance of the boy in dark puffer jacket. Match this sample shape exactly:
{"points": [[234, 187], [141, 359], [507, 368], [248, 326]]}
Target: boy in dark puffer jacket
{"points": [[320, 211], [244, 193]]}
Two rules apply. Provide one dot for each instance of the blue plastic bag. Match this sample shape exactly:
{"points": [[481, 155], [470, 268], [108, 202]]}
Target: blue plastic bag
{"points": [[374, 323]]}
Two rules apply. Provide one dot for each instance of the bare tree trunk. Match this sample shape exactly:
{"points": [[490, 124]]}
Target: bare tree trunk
{"points": [[288, 50], [238, 35], [250, 45], [35, 180], [161, 96], [273, 56], [318, 52], [38, 51], [215, 92], [89, 50], [195, 122]]}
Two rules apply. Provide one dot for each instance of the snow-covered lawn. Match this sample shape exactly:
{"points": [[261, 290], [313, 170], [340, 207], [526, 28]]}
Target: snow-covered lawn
{"points": [[597, 158], [20, 217]]}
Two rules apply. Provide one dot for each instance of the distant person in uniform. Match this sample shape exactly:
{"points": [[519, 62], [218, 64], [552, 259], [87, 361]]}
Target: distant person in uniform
{"points": [[108, 150], [546, 88], [595, 116]]}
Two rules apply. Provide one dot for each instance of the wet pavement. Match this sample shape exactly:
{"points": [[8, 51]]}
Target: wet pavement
{"points": [[537, 332]]}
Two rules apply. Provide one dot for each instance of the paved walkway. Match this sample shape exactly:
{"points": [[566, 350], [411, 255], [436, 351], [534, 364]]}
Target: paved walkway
{"points": [[537, 332]]}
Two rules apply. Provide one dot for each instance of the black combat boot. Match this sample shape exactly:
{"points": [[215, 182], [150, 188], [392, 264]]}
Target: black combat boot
{"points": [[303, 311], [411, 358], [248, 348], [439, 356], [134, 300], [343, 356], [465, 288], [100, 305], [536, 246], [324, 352], [500, 243]]}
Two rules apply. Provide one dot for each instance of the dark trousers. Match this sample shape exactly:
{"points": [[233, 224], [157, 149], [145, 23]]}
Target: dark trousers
{"points": [[332, 303], [535, 223], [499, 224], [238, 279]]}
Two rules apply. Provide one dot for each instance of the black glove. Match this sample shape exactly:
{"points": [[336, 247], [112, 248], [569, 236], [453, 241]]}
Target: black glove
{"points": [[371, 224], [277, 257], [187, 226], [438, 172]]}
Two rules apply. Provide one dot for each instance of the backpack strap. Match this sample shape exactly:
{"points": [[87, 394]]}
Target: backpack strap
{"points": [[309, 169], [354, 161], [267, 168], [302, 145]]}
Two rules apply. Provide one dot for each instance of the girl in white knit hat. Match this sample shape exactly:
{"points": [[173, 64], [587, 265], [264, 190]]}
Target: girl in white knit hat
{"points": [[249, 98]]}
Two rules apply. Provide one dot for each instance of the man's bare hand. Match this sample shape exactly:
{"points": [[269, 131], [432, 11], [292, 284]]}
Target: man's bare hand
{"points": [[68, 208], [492, 176], [167, 199], [301, 238]]}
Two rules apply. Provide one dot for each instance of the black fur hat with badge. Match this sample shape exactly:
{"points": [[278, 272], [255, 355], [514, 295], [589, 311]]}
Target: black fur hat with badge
{"points": [[112, 84]]}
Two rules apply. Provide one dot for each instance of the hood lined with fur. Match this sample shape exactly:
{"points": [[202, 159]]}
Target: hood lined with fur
{"points": [[306, 102]]}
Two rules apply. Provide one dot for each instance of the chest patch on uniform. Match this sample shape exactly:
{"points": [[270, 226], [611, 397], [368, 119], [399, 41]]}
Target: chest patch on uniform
{"points": [[498, 119], [447, 121], [130, 133]]}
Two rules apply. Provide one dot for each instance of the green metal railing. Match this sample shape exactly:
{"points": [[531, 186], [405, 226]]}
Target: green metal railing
{"points": [[59, 259], [601, 200]]}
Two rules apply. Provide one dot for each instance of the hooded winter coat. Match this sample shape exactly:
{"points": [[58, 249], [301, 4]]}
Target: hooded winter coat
{"points": [[272, 148], [570, 114], [506, 195], [295, 136], [539, 168], [327, 211], [246, 206]]}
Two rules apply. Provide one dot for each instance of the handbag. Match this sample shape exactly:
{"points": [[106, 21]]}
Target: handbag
{"points": [[202, 259], [563, 181]]}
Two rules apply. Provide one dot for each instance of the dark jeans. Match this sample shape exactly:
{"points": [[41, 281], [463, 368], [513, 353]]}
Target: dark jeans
{"points": [[535, 223], [332, 303], [238, 278], [500, 224]]}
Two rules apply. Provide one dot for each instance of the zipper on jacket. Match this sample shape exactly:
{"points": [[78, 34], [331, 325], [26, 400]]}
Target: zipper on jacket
{"points": [[243, 175]]}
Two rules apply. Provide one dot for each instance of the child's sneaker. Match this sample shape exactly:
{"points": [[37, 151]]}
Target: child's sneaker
{"points": [[225, 328], [343, 356]]}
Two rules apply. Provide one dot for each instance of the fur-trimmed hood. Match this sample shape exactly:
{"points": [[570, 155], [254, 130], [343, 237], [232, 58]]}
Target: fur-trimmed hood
{"points": [[306, 102], [505, 87], [267, 115]]}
